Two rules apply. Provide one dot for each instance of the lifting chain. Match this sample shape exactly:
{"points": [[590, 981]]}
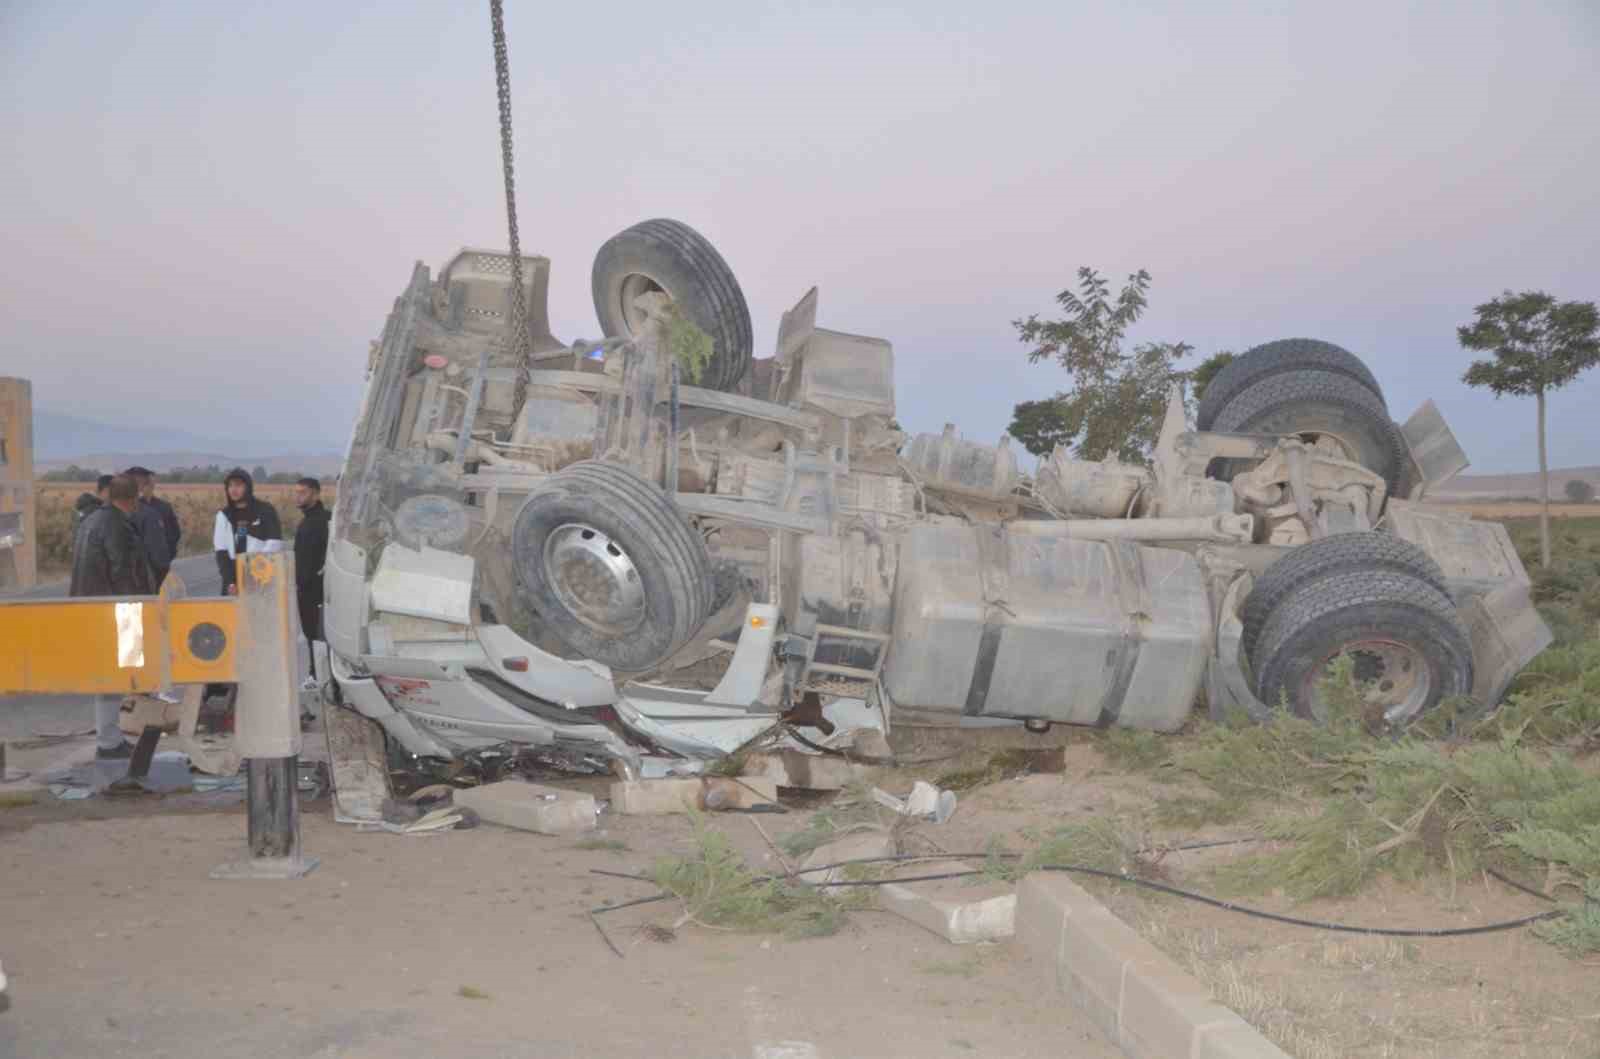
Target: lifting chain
{"points": [[517, 342]]}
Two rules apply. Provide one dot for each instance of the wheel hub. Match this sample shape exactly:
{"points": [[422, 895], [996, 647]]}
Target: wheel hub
{"points": [[1392, 677], [633, 286], [594, 579]]}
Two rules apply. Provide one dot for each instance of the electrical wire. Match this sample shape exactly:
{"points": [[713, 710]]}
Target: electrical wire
{"points": [[1150, 884]]}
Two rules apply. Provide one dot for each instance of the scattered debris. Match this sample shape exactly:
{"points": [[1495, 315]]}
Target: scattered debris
{"points": [[530, 807], [862, 845], [956, 911], [430, 823], [807, 771], [718, 890], [663, 797], [925, 802]]}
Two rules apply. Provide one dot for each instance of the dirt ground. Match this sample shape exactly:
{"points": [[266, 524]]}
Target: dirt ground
{"points": [[468, 943], [1321, 995], [478, 942]]}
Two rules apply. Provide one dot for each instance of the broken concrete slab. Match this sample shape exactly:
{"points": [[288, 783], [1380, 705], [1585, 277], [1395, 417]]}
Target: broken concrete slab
{"points": [[861, 845], [530, 807], [795, 768], [664, 797], [957, 910]]}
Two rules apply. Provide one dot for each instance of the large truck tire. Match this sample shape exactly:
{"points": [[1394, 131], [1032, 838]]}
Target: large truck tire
{"points": [[1316, 404], [667, 255], [1409, 646], [1279, 358], [611, 567], [1339, 553]]}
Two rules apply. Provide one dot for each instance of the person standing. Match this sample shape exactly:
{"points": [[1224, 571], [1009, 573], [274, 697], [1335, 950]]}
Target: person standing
{"points": [[110, 561], [152, 534], [171, 527], [88, 503], [244, 526], [310, 555]]}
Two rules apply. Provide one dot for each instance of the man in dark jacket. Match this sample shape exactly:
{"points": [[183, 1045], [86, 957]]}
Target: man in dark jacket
{"points": [[109, 560], [88, 503], [152, 531], [244, 525], [169, 516], [310, 554]]}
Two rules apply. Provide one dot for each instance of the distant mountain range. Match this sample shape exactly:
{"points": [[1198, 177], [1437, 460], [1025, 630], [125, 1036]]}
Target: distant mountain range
{"points": [[60, 440]]}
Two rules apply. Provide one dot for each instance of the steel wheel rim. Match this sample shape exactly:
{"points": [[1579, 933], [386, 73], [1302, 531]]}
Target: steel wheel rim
{"points": [[594, 578], [1391, 676], [633, 286]]}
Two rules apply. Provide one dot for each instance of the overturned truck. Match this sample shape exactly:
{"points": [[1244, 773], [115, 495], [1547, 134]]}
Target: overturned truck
{"points": [[613, 552]]}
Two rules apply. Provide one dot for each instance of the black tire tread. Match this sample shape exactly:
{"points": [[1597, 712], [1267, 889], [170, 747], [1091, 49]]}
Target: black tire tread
{"points": [[1343, 594], [624, 494], [731, 333], [1247, 410], [1276, 358], [1340, 552]]}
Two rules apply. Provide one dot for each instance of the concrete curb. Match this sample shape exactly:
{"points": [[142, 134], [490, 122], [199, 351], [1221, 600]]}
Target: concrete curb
{"points": [[1132, 991]]}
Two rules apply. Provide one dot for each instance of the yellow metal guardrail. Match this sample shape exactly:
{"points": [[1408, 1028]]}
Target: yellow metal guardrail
{"points": [[111, 646]]}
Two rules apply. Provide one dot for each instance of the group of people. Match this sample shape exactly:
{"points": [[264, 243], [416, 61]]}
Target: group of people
{"points": [[127, 538]]}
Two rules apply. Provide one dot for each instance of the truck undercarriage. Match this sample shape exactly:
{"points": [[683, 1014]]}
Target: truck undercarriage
{"points": [[648, 550]]}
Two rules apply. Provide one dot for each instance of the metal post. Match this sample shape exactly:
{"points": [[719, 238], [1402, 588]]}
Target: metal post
{"points": [[267, 720], [272, 802]]}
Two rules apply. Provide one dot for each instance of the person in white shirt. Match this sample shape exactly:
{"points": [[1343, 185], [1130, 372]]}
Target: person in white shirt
{"points": [[245, 525]]}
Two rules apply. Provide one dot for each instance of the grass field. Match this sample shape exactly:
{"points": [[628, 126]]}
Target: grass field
{"points": [[1517, 509], [196, 506]]}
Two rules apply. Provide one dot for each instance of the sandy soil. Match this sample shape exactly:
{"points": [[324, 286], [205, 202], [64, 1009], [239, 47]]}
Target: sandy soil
{"points": [[117, 943]]}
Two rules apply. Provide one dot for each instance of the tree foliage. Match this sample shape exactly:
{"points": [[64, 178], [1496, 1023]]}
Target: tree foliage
{"points": [[1539, 344], [1207, 370], [1579, 491], [1117, 396]]}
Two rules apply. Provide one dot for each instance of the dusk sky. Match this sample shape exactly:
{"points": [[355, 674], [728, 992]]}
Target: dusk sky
{"points": [[209, 208]]}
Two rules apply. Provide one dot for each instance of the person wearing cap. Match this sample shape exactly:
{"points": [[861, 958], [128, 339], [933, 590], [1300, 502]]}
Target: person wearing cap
{"points": [[171, 527], [244, 526], [152, 533]]}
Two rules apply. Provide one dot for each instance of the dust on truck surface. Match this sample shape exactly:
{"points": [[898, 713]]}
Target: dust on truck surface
{"points": [[651, 545]]}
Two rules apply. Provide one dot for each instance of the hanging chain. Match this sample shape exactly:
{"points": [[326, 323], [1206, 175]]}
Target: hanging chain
{"points": [[518, 342]]}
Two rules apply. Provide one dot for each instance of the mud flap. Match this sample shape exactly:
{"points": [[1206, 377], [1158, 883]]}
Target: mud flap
{"points": [[1228, 688], [1434, 455], [1507, 633], [357, 766]]}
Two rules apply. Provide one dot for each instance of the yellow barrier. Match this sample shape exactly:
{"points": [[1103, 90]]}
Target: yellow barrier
{"points": [[111, 646]]}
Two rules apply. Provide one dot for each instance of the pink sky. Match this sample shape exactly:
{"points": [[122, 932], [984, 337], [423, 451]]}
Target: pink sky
{"points": [[208, 211]]}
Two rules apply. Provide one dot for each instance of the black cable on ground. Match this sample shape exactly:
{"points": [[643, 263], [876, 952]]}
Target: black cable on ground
{"points": [[1149, 884]]}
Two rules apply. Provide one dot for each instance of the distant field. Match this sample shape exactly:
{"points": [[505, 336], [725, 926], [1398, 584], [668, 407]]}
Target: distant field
{"points": [[196, 506], [1501, 509]]}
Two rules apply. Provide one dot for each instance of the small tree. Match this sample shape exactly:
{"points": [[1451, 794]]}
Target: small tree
{"points": [[1579, 491], [1114, 405], [1539, 345]]}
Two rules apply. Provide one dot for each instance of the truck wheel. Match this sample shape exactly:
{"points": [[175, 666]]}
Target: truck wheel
{"points": [[1315, 405], [1338, 553], [611, 567], [1278, 358], [667, 255], [1409, 646]]}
